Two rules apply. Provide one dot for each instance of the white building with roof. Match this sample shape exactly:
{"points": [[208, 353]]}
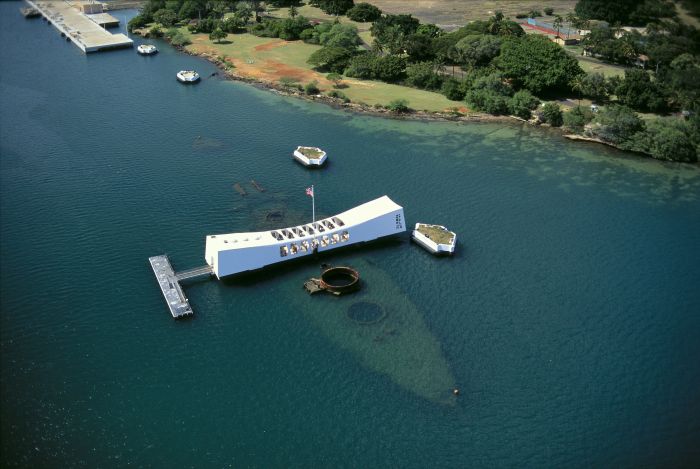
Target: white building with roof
{"points": [[234, 253]]}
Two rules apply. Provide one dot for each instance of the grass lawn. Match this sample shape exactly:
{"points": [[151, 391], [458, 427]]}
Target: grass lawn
{"points": [[436, 233], [269, 59]]}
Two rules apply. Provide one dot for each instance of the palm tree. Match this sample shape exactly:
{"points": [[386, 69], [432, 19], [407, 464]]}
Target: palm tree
{"points": [[558, 21], [495, 21], [573, 21], [577, 84], [293, 12]]}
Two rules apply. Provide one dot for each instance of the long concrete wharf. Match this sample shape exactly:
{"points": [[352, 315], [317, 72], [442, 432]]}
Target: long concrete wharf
{"points": [[85, 33], [169, 283]]}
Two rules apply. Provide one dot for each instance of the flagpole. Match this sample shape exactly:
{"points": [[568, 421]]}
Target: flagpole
{"points": [[313, 206]]}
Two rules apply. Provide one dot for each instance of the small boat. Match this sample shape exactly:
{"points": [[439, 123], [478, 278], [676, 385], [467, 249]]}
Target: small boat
{"points": [[435, 238], [188, 76], [146, 49], [310, 156]]}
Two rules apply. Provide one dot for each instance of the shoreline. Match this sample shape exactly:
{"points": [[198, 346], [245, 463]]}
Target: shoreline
{"points": [[415, 115], [339, 104]]}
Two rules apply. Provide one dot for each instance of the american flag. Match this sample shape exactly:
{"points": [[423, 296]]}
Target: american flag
{"points": [[310, 191]]}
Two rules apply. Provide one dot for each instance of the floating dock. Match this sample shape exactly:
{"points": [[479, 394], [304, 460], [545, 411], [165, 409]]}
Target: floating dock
{"points": [[169, 283], [75, 25]]}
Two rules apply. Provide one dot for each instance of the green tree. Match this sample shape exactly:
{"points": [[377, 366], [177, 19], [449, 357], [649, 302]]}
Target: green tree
{"points": [[217, 35], [331, 59], [390, 68], [390, 32], [335, 78], [165, 17], [536, 63], [606, 10], [498, 25], [670, 139], [477, 50], [362, 66], [335, 7], [341, 35], [490, 93], [682, 79], [638, 91], [364, 12], [593, 85], [551, 112], [558, 22], [189, 9]]}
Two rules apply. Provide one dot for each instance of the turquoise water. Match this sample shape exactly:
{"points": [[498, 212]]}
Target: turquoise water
{"points": [[568, 319]]}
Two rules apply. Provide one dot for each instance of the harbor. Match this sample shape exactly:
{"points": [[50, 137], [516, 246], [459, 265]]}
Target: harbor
{"points": [[84, 24]]}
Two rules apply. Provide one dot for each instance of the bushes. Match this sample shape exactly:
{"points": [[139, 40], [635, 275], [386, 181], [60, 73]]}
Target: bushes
{"points": [[548, 11], [522, 103], [490, 94], [180, 40], [399, 106], [369, 66], [165, 17], [453, 89], [312, 88], [137, 22], [552, 115], [639, 92], [670, 139], [339, 95], [577, 118], [289, 29], [615, 124], [422, 75], [331, 59]]}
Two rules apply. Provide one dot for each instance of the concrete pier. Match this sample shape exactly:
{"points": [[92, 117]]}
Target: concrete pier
{"points": [[177, 302], [85, 33]]}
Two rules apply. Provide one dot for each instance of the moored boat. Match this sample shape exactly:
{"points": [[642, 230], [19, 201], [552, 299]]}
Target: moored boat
{"points": [[435, 238], [310, 156], [187, 76], [147, 49]]}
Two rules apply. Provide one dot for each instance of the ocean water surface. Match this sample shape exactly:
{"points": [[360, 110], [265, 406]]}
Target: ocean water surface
{"points": [[569, 318]]}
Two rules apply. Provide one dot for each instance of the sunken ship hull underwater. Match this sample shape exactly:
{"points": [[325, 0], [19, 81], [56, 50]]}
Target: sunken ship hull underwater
{"points": [[235, 253]]}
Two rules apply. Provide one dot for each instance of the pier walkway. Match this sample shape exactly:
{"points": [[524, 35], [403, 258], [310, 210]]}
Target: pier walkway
{"points": [[175, 298], [85, 33]]}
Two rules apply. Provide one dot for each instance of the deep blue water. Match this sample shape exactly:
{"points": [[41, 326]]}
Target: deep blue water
{"points": [[569, 318]]}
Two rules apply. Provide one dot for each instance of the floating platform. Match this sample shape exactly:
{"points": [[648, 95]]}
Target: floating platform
{"points": [[169, 283], [435, 238], [85, 33]]}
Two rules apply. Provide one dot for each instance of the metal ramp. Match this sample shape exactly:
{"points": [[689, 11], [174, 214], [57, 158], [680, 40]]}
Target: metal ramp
{"points": [[195, 272]]}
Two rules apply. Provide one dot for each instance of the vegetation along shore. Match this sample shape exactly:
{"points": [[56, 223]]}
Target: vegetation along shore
{"points": [[622, 73]]}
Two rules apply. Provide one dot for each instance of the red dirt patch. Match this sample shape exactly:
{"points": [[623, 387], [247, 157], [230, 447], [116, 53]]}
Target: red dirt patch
{"points": [[269, 45]]}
